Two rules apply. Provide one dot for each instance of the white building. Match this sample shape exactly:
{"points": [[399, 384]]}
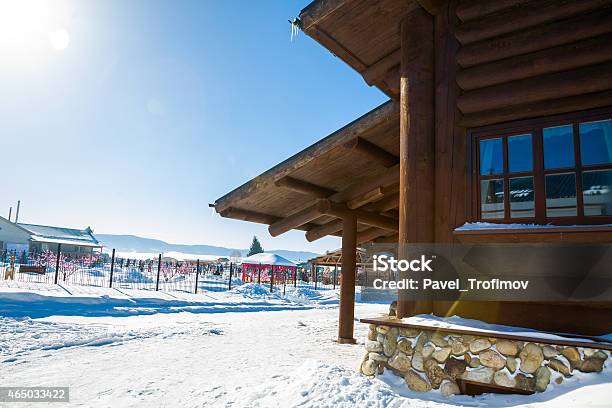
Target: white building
{"points": [[21, 238]]}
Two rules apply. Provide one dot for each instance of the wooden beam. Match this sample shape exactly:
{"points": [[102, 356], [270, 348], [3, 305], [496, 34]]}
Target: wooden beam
{"points": [[373, 151], [323, 230], [370, 234], [369, 197], [347, 287], [472, 10], [388, 202], [252, 216], [416, 218], [295, 220], [363, 217], [304, 187], [590, 79], [565, 57], [388, 239], [532, 14], [546, 108], [376, 73], [432, 6], [535, 39]]}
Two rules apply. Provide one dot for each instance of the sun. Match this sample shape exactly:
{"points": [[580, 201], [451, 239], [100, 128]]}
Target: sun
{"points": [[59, 39]]}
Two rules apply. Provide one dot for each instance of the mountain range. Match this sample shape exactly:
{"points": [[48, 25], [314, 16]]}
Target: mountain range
{"points": [[132, 243]]}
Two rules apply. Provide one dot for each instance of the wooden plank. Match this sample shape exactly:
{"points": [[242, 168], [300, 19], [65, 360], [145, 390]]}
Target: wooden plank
{"points": [[377, 72], [538, 38], [521, 18], [340, 50], [600, 344], [317, 11], [585, 80], [432, 6], [295, 220], [566, 57], [372, 151], [324, 230], [304, 187], [377, 117], [472, 10], [370, 234], [546, 108], [363, 217], [246, 215]]}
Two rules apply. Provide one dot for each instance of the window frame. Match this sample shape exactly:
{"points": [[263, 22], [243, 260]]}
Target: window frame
{"points": [[535, 128]]}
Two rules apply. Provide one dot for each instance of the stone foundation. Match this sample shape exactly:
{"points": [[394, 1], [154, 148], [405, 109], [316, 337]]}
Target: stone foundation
{"points": [[433, 360]]}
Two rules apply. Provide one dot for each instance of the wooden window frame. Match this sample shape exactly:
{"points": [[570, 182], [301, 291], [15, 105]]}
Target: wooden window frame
{"points": [[535, 128]]}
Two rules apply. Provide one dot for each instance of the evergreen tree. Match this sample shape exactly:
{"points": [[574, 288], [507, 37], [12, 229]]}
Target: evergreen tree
{"points": [[255, 247]]}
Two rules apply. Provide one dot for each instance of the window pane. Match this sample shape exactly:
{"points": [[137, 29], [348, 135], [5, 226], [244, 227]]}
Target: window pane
{"points": [[596, 192], [522, 204], [596, 142], [561, 195], [492, 199], [491, 157], [520, 156], [558, 147]]}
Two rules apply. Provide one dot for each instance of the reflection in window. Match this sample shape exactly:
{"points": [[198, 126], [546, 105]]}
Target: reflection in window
{"points": [[522, 204], [596, 192], [520, 155], [492, 199], [558, 147], [561, 195], [491, 157], [596, 142]]}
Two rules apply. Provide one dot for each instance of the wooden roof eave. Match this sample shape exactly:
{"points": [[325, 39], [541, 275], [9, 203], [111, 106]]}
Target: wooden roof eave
{"points": [[340, 137]]}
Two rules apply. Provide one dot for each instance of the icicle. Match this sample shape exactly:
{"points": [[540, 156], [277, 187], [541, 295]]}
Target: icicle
{"points": [[296, 27]]}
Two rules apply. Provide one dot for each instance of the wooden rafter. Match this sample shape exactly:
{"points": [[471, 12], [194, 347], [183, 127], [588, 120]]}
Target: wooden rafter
{"points": [[373, 151], [304, 187]]}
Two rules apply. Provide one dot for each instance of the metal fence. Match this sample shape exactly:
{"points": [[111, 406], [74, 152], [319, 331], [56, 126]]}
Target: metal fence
{"points": [[159, 274]]}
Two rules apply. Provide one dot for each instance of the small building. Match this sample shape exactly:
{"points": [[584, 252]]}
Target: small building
{"points": [[19, 238], [264, 266]]}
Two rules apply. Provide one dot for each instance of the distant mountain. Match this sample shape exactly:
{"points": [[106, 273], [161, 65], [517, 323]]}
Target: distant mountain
{"points": [[132, 243]]}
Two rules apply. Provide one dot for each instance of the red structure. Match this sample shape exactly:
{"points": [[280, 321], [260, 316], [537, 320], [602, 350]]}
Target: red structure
{"points": [[263, 267]]}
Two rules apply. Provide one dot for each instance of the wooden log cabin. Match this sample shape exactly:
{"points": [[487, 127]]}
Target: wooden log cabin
{"points": [[485, 98]]}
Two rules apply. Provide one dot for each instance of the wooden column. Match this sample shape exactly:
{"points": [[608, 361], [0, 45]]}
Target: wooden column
{"points": [[347, 285], [417, 141]]}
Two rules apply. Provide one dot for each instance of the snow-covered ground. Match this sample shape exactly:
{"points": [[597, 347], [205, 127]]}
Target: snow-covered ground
{"points": [[244, 348]]}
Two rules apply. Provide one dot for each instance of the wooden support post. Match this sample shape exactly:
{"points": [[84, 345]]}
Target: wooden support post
{"points": [[335, 275], [57, 262], [416, 204], [158, 272], [110, 281], [314, 275], [347, 289], [197, 276]]}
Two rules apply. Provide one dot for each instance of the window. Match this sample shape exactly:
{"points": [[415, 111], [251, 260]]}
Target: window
{"points": [[555, 170]]}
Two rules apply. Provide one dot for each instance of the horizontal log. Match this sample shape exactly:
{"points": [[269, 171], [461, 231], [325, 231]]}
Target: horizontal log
{"points": [[370, 234], [566, 57], [296, 220], [377, 72], [535, 39], [521, 18], [369, 197], [594, 78], [304, 187], [324, 230], [389, 239], [373, 151], [390, 176], [546, 108], [472, 10], [252, 216], [363, 217], [388, 202]]}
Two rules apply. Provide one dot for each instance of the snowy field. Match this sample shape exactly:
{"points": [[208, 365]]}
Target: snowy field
{"points": [[243, 348]]}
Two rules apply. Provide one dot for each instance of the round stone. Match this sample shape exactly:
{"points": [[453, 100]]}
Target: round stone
{"points": [[449, 388], [416, 383], [479, 345], [559, 366], [493, 359], [542, 376], [503, 379], [399, 362], [507, 347], [531, 358]]}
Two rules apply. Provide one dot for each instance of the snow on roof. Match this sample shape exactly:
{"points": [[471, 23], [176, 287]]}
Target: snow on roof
{"points": [[267, 259], [44, 233]]}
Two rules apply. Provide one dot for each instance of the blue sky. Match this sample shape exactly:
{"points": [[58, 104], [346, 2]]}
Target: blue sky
{"points": [[132, 116]]}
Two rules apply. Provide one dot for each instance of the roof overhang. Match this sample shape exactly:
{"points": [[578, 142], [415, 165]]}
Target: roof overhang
{"points": [[353, 170], [36, 238]]}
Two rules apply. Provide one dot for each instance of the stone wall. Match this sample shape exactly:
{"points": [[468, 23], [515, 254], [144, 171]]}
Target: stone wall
{"points": [[432, 360]]}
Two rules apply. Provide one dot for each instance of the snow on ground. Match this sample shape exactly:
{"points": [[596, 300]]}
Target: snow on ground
{"points": [[244, 348]]}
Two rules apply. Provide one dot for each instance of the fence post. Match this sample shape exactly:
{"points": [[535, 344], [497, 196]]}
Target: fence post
{"points": [[284, 280], [57, 262], [197, 275], [272, 278], [231, 273], [314, 273], [294, 277], [158, 270], [335, 274], [259, 275], [110, 284]]}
